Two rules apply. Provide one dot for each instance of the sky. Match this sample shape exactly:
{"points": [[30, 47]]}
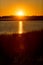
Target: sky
{"points": [[30, 7]]}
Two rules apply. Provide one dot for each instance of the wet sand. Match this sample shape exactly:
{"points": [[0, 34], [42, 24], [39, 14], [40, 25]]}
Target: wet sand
{"points": [[21, 49]]}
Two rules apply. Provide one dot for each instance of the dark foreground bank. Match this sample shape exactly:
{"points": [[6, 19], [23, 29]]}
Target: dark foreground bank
{"points": [[24, 49]]}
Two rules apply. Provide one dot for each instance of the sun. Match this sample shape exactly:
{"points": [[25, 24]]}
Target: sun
{"points": [[20, 13]]}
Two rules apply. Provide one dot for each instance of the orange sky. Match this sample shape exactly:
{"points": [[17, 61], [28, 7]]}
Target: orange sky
{"points": [[29, 7]]}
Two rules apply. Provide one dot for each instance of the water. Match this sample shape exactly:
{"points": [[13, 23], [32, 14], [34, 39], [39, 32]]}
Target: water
{"points": [[20, 26], [24, 49]]}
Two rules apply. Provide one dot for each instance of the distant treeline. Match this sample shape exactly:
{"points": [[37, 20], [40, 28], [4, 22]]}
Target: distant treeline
{"points": [[22, 18]]}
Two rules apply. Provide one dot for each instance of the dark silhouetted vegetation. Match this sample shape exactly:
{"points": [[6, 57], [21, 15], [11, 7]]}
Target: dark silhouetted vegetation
{"points": [[24, 49], [22, 18]]}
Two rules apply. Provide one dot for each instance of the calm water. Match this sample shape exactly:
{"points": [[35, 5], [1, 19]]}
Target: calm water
{"points": [[26, 49], [20, 26]]}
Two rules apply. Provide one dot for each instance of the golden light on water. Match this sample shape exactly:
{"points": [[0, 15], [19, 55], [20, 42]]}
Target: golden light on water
{"points": [[20, 27]]}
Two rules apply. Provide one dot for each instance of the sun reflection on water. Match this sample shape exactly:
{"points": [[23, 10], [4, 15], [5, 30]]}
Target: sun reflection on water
{"points": [[20, 27]]}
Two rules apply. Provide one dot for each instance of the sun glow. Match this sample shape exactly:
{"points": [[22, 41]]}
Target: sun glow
{"points": [[20, 13], [20, 27]]}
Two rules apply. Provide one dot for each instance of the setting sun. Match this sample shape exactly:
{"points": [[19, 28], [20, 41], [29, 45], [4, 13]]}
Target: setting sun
{"points": [[20, 13]]}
